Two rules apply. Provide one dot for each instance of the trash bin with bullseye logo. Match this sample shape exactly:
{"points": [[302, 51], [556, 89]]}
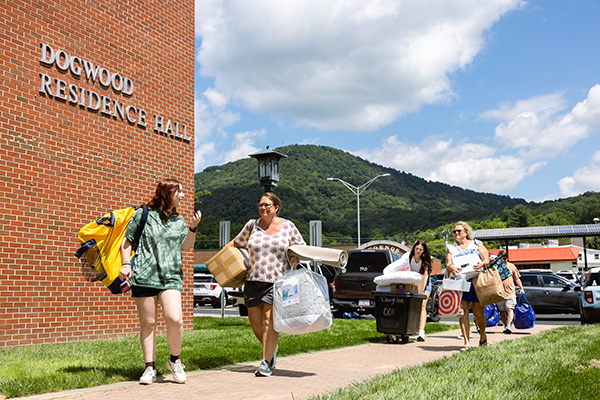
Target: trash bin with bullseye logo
{"points": [[398, 314]]}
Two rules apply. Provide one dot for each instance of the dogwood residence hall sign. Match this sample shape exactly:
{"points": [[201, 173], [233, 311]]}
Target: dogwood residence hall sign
{"points": [[113, 83]]}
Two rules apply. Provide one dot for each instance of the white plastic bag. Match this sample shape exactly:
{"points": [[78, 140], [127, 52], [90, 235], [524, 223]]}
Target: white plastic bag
{"points": [[301, 303], [459, 284]]}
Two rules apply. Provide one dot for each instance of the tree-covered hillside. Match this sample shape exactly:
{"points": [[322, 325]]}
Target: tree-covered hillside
{"points": [[399, 203]]}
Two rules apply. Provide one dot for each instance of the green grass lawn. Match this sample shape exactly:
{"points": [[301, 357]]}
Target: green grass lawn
{"points": [[215, 342], [558, 364]]}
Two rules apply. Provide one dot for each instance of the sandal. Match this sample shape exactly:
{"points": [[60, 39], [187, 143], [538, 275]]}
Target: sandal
{"points": [[465, 348], [484, 343]]}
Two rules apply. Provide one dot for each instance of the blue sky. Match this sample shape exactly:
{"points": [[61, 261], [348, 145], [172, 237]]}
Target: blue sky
{"points": [[498, 96]]}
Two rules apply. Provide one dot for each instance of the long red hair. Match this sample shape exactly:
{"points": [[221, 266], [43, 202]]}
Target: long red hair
{"points": [[163, 198]]}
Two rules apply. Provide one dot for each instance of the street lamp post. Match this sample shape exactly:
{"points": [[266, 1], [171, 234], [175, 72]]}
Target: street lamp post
{"points": [[357, 190], [268, 168]]}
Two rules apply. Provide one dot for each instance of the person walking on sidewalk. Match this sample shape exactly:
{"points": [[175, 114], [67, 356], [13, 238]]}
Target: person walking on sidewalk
{"points": [[420, 261], [465, 246], [157, 276], [267, 240], [507, 307]]}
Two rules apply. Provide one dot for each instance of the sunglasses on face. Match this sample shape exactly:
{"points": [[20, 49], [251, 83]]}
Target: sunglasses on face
{"points": [[457, 231]]}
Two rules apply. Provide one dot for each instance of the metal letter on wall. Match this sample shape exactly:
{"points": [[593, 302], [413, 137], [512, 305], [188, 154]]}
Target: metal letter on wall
{"points": [[224, 233], [316, 233]]}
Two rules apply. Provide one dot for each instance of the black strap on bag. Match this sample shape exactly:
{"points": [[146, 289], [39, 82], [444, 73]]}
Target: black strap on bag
{"points": [[140, 229], [115, 287]]}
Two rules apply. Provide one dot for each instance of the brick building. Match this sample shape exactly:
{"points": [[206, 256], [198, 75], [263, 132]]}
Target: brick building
{"points": [[96, 106]]}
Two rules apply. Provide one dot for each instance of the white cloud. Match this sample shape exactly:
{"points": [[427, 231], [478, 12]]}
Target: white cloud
{"points": [[211, 118], [583, 180], [587, 112], [537, 128], [211, 115], [243, 145], [354, 65], [534, 127], [468, 165], [203, 152]]}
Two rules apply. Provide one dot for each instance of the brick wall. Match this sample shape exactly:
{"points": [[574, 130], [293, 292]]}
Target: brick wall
{"points": [[68, 156]]}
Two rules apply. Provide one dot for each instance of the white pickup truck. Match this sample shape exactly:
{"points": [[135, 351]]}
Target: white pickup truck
{"points": [[590, 296]]}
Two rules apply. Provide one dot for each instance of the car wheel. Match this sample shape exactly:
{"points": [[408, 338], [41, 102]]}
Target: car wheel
{"points": [[434, 316], [217, 304], [243, 310]]}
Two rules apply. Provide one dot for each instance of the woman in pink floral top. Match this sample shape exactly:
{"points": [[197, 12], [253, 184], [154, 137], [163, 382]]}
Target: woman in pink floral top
{"points": [[267, 240]]}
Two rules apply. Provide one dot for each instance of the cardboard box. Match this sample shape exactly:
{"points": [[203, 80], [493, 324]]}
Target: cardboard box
{"points": [[418, 288], [228, 266]]}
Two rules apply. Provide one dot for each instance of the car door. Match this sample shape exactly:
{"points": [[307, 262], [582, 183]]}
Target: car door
{"points": [[534, 292], [559, 295]]}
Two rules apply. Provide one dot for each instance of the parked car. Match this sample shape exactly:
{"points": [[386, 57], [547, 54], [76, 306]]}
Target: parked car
{"points": [[549, 293], [352, 288], [590, 296], [207, 290], [570, 275]]}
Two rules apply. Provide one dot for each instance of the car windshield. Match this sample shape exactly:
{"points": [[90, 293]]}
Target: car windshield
{"points": [[367, 262]]}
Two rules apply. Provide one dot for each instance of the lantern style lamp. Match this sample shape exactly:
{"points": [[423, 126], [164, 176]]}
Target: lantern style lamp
{"points": [[268, 168]]}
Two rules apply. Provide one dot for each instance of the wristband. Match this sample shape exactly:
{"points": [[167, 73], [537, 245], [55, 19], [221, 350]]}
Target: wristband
{"points": [[126, 263], [193, 230]]}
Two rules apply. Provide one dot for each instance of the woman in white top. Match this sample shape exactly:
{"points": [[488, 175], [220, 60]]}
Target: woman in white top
{"points": [[420, 261], [465, 246]]}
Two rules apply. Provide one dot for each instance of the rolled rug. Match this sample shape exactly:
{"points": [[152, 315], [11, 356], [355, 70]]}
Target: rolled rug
{"points": [[332, 257]]}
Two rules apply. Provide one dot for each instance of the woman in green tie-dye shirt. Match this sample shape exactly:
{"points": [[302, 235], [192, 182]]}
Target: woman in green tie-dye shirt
{"points": [[157, 276]]}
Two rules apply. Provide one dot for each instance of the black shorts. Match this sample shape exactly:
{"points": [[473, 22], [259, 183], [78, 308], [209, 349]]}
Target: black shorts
{"points": [[142, 291], [256, 292]]}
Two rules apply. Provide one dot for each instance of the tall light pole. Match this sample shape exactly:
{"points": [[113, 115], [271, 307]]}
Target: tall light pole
{"points": [[357, 190]]}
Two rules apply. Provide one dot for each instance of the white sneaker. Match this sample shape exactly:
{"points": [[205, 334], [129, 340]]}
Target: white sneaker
{"points": [[148, 376], [177, 369]]}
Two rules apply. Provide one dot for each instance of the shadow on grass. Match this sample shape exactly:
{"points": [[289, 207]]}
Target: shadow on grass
{"points": [[110, 372]]}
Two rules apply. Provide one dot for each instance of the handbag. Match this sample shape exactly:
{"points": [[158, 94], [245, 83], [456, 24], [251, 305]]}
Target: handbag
{"points": [[524, 314], [492, 316], [459, 283], [502, 268], [489, 287], [301, 302], [450, 304]]}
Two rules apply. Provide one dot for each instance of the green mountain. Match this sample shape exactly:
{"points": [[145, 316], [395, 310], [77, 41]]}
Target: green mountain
{"points": [[397, 203]]}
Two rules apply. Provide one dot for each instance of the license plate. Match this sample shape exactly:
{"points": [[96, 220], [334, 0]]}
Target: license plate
{"points": [[364, 303]]}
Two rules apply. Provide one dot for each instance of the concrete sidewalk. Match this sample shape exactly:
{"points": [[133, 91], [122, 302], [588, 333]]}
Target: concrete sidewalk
{"points": [[296, 377]]}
